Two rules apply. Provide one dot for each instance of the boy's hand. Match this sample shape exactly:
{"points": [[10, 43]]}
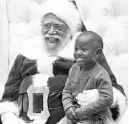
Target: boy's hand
{"points": [[70, 113], [78, 113]]}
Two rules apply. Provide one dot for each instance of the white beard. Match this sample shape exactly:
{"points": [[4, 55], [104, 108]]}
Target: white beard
{"points": [[36, 48]]}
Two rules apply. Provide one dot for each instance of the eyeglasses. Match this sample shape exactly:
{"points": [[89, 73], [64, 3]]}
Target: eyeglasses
{"points": [[58, 27]]}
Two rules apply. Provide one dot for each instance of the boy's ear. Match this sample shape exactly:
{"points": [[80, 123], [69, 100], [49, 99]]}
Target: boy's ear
{"points": [[98, 51]]}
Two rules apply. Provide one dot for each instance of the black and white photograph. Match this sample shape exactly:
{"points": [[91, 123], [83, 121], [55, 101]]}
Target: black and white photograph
{"points": [[63, 61]]}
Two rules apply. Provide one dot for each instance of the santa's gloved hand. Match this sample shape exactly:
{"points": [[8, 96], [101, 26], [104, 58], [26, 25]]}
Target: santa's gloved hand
{"points": [[87, 97], [70, 113]]}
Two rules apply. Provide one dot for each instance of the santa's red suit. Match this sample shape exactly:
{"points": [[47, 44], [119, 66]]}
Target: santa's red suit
{"points": [[35, 62]]}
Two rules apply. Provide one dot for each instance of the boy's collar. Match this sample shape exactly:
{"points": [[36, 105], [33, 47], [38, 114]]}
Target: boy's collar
{"points": [[89, 66]]}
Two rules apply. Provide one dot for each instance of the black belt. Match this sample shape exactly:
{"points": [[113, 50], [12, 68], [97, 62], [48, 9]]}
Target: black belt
{"points": [[50, 108]]}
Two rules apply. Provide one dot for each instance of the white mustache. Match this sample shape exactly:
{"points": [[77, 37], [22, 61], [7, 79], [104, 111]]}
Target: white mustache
{"points": [[52, 36]]}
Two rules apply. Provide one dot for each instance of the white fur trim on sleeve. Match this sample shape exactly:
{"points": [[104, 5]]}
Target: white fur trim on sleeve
{"points": [[124, 119], [11, 118], [9, 107], [120, 100]]}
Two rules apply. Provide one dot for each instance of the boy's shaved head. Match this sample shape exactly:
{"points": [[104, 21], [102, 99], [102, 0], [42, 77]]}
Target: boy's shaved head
{"points": [[93, 37], [88, 47]]}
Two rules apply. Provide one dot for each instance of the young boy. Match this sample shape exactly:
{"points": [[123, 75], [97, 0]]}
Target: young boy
{"points": [[87, 74]]}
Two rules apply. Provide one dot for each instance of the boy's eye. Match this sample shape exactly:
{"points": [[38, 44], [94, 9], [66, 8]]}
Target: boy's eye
{"points": [[75, 49], [84, 49]]}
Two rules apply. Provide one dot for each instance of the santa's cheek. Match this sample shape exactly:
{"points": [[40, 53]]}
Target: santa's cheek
{"points": [[63, 34], [44, 31]]}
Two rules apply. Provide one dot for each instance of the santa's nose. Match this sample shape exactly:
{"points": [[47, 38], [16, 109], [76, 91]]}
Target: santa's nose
{"points": [[52, 30]]}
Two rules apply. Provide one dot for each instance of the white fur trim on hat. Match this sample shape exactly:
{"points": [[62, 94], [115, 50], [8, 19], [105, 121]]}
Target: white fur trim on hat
{"points": [[63, 9]]}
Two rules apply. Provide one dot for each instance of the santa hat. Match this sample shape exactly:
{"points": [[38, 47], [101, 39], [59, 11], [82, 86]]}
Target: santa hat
{"points": [[63, 9]]}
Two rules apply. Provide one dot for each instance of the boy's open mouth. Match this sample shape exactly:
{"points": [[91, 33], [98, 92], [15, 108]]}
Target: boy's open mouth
{"points": [[79, 59]]}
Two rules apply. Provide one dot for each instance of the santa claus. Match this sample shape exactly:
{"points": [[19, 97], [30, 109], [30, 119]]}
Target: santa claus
{"points": [[44, 62]]}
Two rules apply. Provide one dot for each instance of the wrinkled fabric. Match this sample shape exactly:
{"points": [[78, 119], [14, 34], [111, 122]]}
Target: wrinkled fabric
{"points": [[22, 68], [96, 78], [56, 84]]}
